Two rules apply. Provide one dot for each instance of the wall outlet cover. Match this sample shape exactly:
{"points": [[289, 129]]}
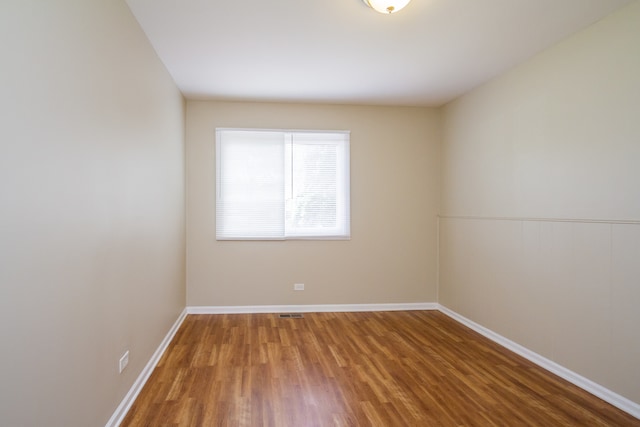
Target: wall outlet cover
{"points": [[124, 361]]}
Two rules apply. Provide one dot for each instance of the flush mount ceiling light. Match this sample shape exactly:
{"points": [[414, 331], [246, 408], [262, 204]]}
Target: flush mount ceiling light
{"points": [[386, 6]]}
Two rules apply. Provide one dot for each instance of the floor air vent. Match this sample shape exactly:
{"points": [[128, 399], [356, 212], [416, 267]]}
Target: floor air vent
{"points": [[291, 315]]}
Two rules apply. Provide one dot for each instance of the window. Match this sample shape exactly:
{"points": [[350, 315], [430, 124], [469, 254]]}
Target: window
{"points": [[276, 185]]}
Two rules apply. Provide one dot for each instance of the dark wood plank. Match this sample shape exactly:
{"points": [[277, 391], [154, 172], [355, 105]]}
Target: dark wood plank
{"points": [[417, 368]]}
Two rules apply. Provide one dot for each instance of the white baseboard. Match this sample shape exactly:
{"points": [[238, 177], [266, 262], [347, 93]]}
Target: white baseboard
{"points": [[603, 393], [321, 308], [125, 405]]}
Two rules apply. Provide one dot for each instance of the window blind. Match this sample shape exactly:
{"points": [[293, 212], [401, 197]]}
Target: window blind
{"points": [[282, 185]]}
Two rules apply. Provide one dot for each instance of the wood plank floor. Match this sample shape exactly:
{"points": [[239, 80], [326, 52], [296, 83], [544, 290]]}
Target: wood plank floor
{"points": [[417, 368]]}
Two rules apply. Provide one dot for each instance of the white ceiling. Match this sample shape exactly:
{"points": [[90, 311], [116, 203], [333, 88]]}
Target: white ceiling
{"points": [[340, 51]]}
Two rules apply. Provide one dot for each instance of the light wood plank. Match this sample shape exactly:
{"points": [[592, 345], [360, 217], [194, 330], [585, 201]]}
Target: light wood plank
{"points": [[354, 369]]}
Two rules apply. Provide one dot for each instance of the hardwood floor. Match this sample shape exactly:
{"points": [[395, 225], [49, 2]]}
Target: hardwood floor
{"points": [[417, 368]]}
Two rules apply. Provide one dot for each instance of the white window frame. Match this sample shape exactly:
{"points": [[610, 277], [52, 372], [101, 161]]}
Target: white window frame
{"points": [[342, 231]]}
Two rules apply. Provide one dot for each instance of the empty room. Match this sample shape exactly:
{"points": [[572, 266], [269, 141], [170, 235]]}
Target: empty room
{"points": [[320, 213]]}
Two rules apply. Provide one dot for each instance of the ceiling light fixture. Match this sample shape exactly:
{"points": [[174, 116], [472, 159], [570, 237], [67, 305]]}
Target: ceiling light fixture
{"points": [[386, 6]]}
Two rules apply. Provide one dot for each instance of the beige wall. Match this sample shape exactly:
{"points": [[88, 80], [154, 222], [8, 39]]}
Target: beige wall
{"points": [[92, 208], [533, 159], [391, 257]]}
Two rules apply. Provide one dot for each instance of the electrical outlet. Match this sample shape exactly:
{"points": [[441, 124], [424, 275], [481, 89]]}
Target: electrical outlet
{"points": [[298, 287], [124, 361]]}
